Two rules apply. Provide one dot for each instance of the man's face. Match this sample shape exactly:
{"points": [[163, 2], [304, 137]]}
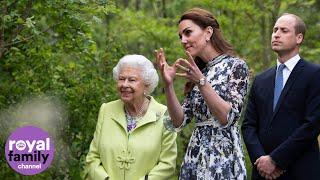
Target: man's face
{"points": [[284, 38]]}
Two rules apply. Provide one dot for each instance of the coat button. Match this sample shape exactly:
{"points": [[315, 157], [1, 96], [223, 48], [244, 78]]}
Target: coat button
{"points": [[125, 159]]}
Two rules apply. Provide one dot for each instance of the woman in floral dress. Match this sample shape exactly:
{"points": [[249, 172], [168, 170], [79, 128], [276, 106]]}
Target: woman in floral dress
{"points": [[217, 85]]}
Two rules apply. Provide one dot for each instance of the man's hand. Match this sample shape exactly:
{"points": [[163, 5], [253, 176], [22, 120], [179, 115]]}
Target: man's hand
{"points": [[265, 164], [276, 173], [267, 167]]}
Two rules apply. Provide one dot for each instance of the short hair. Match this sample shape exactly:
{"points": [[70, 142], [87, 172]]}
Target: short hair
{"points": [[148, 72], [300, 26]]}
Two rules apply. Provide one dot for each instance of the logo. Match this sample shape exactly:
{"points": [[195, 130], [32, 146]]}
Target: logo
{"points": [[29, 150]]}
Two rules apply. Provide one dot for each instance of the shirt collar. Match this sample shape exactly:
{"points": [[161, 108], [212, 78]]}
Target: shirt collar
{"points": [[216, 60], [291, 62]]}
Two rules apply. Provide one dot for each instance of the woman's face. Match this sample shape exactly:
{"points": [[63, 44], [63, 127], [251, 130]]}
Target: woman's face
{"points": [[130, 84], [193, 38]]}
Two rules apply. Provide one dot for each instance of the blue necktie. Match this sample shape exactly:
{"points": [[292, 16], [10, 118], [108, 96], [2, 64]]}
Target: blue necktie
{"points": [[278, 85]]}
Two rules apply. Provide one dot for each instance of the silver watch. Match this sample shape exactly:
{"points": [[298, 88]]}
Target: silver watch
{"points": [[202, 82]]}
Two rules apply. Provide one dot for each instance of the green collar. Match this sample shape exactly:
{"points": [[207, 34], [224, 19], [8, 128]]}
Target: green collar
{"points": [[152, 114]]}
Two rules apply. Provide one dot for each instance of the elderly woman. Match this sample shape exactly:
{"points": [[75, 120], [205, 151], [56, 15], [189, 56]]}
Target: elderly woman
{"points": [[130, 141], [217, 85]]}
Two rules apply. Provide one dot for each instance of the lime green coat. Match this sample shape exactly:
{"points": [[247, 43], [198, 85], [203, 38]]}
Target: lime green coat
{"points": [[149, 150]]}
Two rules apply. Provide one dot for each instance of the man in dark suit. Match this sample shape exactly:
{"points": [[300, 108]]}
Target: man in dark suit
{"points": [[282, 119]]}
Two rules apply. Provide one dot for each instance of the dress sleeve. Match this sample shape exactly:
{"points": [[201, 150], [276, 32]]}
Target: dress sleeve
{"points": [[94, 169], [187, 115], [237, 89]]}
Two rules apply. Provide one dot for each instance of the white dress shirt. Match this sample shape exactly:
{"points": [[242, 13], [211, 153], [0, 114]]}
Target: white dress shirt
{"points": [[290, 64]]}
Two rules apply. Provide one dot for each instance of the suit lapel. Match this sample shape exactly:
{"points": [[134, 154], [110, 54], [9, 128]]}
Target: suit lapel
{"points": [[293, 75], [270, 83], [269, 86]]}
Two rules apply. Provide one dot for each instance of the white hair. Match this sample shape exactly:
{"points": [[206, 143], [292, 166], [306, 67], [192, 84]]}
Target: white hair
{"points": [[148, 72]]}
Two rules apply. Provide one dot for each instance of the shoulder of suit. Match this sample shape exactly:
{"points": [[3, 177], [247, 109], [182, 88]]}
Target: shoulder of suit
{"points": [[265, 72], [310, 65]]}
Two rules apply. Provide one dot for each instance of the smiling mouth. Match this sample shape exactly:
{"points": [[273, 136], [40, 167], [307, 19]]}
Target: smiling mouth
{"points": [[125, 93]]}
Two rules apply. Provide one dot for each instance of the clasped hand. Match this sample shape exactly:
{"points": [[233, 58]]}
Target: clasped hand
{"points": [[267, 168], [188, 67]]}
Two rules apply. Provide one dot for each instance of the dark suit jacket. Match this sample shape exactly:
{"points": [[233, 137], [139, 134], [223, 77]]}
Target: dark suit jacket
{"points": [[289, 134]]}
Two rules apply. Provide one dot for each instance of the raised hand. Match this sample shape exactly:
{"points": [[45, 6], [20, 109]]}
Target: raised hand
{"points": [[167, 72], [189, 68]]}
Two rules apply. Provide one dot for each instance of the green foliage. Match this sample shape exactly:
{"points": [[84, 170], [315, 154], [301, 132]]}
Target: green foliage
{"points": [[64, 51], [55, 54]]}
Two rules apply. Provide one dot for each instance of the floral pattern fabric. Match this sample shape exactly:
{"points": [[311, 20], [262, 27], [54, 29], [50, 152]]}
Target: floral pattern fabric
{"points": [[215, 150], [131, 122]]}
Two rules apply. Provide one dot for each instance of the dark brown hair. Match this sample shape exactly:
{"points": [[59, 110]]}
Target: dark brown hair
{"points": [[203, 19]]}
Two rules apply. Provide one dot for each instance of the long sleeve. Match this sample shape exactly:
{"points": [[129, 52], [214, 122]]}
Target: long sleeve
{"points": [[187, 116], [303, 137], [237, 88], [250, 128], [94, 169], [167, 160]]}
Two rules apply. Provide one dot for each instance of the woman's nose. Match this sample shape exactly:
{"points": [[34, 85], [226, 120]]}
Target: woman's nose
{"points": [[183, 40], [125, 83]]}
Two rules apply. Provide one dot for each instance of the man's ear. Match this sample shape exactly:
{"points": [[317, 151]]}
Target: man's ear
{"points": [[299, 38]]}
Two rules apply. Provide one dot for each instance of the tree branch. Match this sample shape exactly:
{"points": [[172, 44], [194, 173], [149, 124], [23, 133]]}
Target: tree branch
{"points": [[28, 38], [26, 13], [13, 5], [4, 11], [260, 5], [6, 47]]}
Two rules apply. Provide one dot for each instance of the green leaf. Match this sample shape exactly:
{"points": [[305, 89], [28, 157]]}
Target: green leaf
{"points": [[29, 22], [20, 21]]}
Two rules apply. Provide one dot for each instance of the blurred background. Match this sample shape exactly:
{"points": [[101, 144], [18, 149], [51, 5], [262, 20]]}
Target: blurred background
{"points": [[56, 60]]}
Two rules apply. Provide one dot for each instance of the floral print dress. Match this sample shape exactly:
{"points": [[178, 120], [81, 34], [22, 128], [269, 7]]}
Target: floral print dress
{"points": [[215, 150]]}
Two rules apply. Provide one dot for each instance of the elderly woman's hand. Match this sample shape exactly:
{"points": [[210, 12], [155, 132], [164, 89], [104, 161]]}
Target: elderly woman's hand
{"points": [[189, 68], [167, 72]]}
